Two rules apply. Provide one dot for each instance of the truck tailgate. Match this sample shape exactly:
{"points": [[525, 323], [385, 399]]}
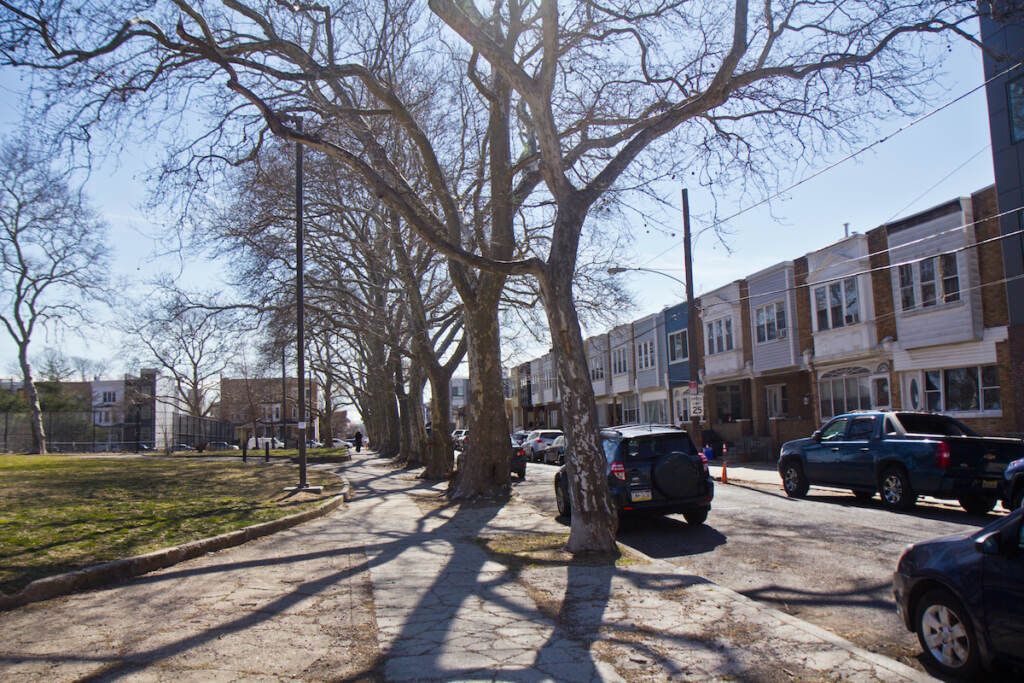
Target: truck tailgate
{"points": [[982, 457]]}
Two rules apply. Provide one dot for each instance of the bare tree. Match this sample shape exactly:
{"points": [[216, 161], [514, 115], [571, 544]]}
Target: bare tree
{"points": [[569, 105], [53, 257], [191, 346]]}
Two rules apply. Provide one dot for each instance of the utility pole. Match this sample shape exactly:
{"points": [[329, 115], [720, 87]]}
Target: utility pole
{"points": [[691, 303], [284, 394]]}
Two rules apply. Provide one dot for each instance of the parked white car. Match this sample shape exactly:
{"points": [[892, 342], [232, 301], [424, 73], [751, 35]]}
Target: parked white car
{"points": [[262, 441]]}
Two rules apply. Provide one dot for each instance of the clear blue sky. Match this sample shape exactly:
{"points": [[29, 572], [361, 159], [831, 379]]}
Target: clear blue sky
{"points": [[943, 157]]}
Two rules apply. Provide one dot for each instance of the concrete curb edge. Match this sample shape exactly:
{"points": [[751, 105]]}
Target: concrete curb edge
{"points": [[120, 570]]}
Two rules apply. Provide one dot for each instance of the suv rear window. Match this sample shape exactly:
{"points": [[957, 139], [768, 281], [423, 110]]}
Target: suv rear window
{"points": [[550, 435], [651, 447], [936, 425]]}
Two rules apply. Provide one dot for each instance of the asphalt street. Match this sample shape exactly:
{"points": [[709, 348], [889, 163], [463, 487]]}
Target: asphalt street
{"points": [[827, 559]]}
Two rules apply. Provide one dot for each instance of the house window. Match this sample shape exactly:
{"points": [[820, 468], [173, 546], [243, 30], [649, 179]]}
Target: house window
{"points": [[654, 412], [939, 280], [110, 397], [836, 304], [720, 336], [841, 391], [678, 347], [908, 299], [682, 407], [596, 368], [770, 322], [729, 401], [776, 400], [645, 355], [630, 412], [968, 389], [950, 279], [1015, 96], [620, 361]]}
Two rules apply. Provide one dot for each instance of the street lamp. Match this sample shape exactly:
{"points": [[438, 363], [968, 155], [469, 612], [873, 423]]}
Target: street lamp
{"points": [[622, 269]]}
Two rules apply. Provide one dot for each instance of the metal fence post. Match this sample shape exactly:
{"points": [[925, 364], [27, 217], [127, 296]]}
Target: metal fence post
{"points": [[266, 447]]}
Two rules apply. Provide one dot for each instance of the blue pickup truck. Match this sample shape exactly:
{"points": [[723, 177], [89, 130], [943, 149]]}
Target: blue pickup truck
{"points": [[901, 455]]}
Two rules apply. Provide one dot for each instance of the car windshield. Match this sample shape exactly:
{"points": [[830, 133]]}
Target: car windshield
{"points": [[550, 435], [936, 425], [649, 447]]}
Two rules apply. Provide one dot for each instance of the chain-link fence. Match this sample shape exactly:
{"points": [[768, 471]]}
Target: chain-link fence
{"points": [[77, 432]]}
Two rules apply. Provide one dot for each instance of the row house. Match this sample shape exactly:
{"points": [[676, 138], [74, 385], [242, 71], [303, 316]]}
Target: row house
{"points": [[910, 316]]}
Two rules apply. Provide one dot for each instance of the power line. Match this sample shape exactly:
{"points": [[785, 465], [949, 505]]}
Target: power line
{"points": [[846, 158]]}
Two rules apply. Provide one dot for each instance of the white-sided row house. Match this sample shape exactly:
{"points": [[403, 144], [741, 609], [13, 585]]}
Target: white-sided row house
{"points": [[726, 373], [649, 355], [625, 406], [949, 311], [599, 367]]}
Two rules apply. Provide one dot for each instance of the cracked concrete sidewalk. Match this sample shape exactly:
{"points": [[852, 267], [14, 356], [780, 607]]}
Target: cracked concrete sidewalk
{"points": [[399, 586]]}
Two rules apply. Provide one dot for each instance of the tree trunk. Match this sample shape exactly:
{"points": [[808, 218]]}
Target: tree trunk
{"points": [[484, 464], [418, 440], [36, 417], [594, 518], [440, 455], [405, 424]]}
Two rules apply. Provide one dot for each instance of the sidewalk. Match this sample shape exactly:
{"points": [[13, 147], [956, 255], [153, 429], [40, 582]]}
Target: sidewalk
{"points": [[759, 474], [399, 586]]}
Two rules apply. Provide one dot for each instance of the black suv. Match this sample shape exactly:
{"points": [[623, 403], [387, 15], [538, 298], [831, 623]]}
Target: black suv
{"points": [[651, 468]]}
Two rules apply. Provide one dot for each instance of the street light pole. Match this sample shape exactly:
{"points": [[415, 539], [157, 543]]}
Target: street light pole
{"points": [[300, 342], [691, 303]]}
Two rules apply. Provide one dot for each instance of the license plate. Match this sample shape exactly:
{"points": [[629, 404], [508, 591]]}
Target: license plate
{"points": [[640, 494], [989, 484]]}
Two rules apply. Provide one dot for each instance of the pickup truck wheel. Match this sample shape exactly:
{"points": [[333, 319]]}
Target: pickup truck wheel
{"points": [[977, 504], [896, 491], [945, 634], [794, 480], [562, 499]]}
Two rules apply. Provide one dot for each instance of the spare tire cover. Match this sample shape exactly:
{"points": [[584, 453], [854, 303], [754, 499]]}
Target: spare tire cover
{"points": [[677, 475]]}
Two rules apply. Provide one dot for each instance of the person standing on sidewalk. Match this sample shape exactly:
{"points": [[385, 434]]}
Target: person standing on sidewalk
{"points": [[709, 452], [358, 438]]}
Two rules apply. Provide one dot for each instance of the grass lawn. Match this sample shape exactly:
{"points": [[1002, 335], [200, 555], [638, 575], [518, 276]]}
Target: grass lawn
{"points": [[62, 513]]}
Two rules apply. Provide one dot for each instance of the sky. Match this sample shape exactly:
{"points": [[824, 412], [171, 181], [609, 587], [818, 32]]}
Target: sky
{"points": [[928, 163]]}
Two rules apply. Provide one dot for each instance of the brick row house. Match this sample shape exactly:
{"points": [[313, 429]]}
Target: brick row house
{"points": [[910, 316]]}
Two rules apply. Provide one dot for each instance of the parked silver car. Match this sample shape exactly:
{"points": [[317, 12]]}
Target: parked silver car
{"points": [[537, 441]]}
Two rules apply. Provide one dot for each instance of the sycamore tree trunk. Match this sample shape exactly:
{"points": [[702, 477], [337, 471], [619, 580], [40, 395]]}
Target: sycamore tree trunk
{"points": [[404, 418], [36, 417], [440, 453], [418, 436], [484, 464], [594, 518]]}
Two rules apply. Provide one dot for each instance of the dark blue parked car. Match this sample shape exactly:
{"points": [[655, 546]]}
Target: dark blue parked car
{"points": [[964, 596], [1013, 486]]}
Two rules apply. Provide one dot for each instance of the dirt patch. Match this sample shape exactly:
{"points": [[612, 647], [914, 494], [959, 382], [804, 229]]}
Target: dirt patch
{"points": [[548, 550]]}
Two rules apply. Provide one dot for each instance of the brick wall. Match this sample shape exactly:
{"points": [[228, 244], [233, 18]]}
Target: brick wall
{"points": [[748, 346], [881, 284], [805, 340], [990, 258]]}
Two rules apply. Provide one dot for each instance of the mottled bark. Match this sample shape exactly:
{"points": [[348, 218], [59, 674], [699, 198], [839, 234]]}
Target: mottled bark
{"points": [[440, 455], [418, 437], [404, 418], [32, 397], [594, 518], [484, 464]]}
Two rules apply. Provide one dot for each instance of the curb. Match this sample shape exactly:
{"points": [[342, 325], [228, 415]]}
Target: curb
{"points": [[120, 570]]}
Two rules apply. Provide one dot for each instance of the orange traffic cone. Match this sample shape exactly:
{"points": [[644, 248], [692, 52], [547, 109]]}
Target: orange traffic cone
{"points": [[725, 463]]}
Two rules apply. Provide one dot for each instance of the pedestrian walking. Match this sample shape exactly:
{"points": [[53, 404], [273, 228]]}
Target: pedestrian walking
{"points": [[359, 441], [709, 452]]}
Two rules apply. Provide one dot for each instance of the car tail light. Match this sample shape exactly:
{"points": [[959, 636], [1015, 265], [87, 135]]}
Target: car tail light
{"points": [[942, 455], [618, 471], [704, 462], [520, 452]]}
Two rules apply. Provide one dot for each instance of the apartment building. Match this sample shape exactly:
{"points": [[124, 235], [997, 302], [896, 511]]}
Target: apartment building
{"points": [[268, 407], [625, 403], [651, 368], [599, 367]]}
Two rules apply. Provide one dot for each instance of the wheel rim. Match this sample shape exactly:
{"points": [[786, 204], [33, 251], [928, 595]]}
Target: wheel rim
{"points": [[892, 488], [792, 479], [945, 636]]}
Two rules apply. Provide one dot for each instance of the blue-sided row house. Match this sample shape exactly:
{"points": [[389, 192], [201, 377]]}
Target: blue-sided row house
{"points": [[911, 315]]}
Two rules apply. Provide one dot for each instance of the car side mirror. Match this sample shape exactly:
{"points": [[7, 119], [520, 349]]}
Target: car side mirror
{"points": [[816, 435], [989, 544]]}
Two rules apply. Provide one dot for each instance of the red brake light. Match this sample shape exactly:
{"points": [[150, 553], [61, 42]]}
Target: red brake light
{"points": [[704, 462], [942, 455], [618, 471]]}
